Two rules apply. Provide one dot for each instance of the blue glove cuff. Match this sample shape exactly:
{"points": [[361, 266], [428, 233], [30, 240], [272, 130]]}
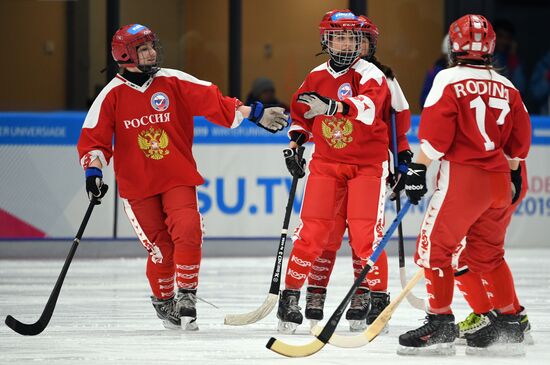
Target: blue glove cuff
{"points": [[256, 111], [93, 171], [402, 168]]}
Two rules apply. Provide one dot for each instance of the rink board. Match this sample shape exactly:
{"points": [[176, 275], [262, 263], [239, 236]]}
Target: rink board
{"points": [[244, 196]]}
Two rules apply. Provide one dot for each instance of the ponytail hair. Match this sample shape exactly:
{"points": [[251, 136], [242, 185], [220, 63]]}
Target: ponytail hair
{"points": [[384, 68]]}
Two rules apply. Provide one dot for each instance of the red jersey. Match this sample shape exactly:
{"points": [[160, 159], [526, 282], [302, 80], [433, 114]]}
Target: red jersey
{"points": [[471, 116], [152, 126], [361, 137]]}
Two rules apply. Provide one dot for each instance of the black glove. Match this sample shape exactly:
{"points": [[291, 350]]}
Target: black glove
{"points": [[320, 105], [94, 184], [272, 119], [516, 183], [294, 161], [415, 182], [404, 158]]}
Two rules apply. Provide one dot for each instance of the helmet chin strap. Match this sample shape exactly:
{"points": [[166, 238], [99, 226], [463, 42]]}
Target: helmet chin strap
{"points": [[149, 69]]}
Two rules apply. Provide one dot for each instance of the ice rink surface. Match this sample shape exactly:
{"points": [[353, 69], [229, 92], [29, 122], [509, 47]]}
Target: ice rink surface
{"points": [[104, 315]]}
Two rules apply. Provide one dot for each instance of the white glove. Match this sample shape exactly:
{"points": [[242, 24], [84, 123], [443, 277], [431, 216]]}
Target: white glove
{"points": [[272, 119], [318, 105]]}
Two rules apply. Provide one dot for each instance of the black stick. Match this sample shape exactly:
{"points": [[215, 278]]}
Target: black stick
{"points": [[401, 249], [276, 277], [39, 326]]}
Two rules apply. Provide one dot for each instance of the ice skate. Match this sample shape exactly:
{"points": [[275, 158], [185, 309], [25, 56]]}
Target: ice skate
{"points": [[358, 310], [166, 310], [315, 302], [289, 311], [526, 327], [186, 301], [471, 324], [436, 337], [378, 302], [501, 335]]}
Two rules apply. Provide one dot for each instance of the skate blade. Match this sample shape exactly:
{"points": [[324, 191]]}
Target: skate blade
{"points": [[460, 341], [440, 349], [189, 324], [169, 325], [313, 323], [357, 325], [287, 328], [497, 350], [528, 339]]}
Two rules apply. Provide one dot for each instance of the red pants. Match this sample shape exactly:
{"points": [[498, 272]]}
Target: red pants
{"points": [[169, 227], [466, 197], [328, 185], [490, 232], [319, 276]]}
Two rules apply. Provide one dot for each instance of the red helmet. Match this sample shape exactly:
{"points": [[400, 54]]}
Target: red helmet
{"points": [[472, 37], [125, 43], [370, 31], [345, 24]]}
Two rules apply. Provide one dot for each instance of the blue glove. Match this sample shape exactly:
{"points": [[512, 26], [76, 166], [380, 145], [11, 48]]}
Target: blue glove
{"points": [[94, 184]]}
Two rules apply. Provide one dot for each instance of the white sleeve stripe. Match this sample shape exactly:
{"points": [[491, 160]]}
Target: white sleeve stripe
{"points": [[430, 151], [168, 72], [398, 99], [365, 109], [92, 118]]}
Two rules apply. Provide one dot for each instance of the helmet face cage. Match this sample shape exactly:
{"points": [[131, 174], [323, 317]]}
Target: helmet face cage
{"points": [[152, 68], [343, 46]]}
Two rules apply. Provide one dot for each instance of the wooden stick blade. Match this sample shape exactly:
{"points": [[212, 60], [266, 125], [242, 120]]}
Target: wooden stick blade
{"points": [[294, 350], [254, 316], [413, 300]]}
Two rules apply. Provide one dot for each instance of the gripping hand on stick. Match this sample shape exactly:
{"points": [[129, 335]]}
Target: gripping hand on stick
{"points": [[95, 187], [294, 162], [415, 182]]}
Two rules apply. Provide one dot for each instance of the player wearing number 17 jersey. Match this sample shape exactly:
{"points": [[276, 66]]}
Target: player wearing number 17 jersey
{"points": [[475, 122]]}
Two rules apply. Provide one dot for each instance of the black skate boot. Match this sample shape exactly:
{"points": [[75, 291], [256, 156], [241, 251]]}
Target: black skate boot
{"points": [[315, 301], [186, 300], [471, 324], [166, 310], [358, 310], [501, 335], [435, 337], [289, 311], [378, 302]]}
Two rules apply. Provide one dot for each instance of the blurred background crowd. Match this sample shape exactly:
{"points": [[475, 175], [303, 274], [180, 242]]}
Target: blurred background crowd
{"points": [[252, 49]]}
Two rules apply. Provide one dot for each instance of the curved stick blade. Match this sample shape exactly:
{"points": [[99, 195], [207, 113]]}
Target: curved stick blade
{"points": [[413, 300], [254, 316], [295, 350], [343, 341], [23, 328], [376, 327]]}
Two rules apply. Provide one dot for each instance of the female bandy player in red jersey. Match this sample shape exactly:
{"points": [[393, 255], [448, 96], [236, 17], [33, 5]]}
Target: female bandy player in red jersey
{"points": [[150, 110], [340, 105], [475, 122], [371, 297]]}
